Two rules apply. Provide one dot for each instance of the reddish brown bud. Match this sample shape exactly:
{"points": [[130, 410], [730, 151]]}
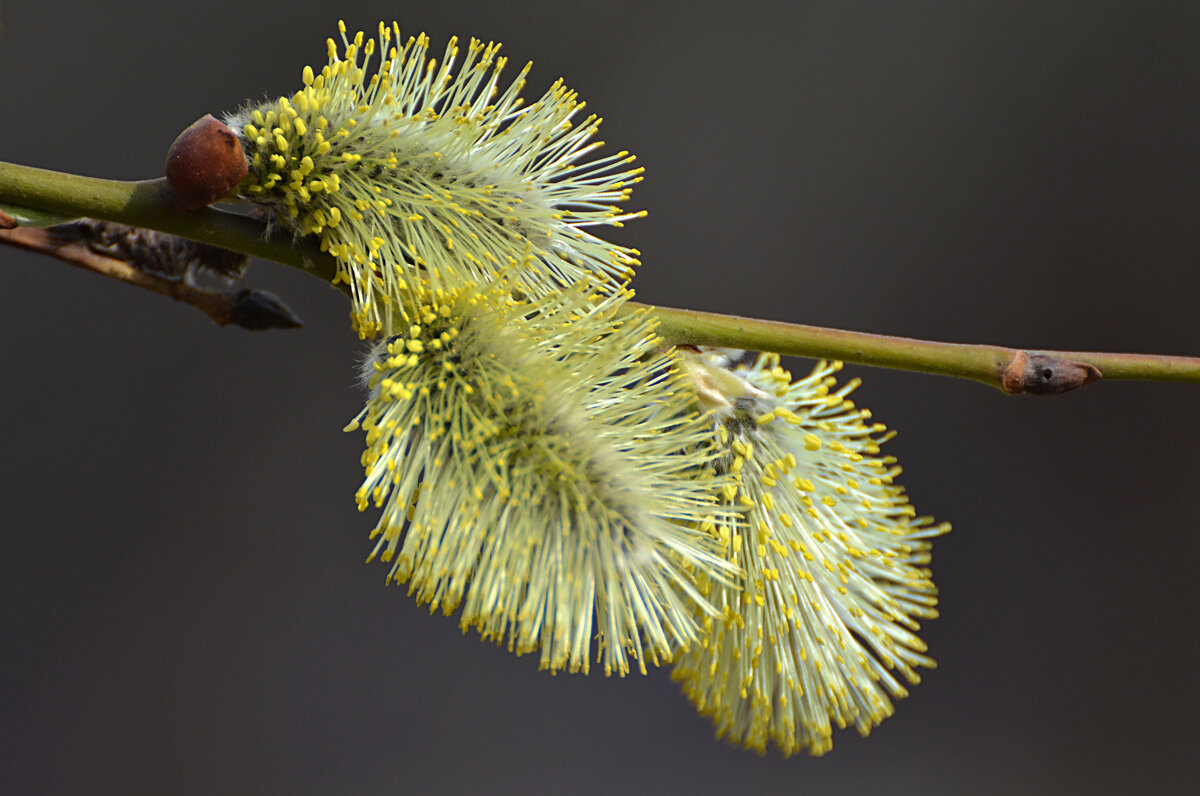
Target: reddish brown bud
{"points": [[7, 221], [205, 163]]}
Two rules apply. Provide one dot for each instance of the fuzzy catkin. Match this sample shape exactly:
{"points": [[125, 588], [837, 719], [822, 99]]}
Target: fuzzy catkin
{"points": [[414, 172], [528, 463], [820, 629]]}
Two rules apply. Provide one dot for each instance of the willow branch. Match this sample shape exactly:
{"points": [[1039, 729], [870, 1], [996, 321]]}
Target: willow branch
{"points": [[151, 204], [1010, 369]]}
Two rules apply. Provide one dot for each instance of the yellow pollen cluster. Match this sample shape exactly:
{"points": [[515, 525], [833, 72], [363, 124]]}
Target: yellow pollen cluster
{"points": [[525, 461], [541, 463], [415, 172], [820, 632]]}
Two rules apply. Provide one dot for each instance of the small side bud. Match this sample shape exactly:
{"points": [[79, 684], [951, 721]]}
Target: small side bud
{"points": [[7, 221], [205, 163], [1042, 374]]}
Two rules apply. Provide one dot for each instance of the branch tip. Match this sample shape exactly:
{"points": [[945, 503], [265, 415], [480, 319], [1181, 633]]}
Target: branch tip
{"points": [[261, 309], [162, 264]]}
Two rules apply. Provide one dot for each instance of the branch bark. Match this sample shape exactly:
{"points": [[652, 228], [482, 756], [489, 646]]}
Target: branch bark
{"points": [[1015, 371], [152, 204]]}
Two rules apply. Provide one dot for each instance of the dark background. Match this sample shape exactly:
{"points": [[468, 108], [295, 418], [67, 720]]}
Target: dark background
{"points": [[185, 604]]}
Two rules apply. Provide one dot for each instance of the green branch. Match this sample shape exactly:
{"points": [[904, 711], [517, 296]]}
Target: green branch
{"points": [[151, 204], [1012, 370]]}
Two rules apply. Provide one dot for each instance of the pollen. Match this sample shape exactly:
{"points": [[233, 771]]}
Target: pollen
{"points": [[536, 447], [840, 623], [419, 144]]}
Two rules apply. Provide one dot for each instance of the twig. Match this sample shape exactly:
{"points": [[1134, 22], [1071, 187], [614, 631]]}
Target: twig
{"points": [[250, 309], [151, 204], [1009, 369]]}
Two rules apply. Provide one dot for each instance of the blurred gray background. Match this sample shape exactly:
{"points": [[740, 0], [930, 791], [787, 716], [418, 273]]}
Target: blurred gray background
{"points": [[185, 603]]}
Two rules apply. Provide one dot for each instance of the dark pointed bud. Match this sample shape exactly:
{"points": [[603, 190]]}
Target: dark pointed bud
{"points": [[205, 163], [262, 309]]}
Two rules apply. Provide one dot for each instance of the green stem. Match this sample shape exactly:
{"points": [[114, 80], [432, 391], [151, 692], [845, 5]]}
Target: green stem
{"points": [[150, 204], [985, 363], [945, 359]]}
